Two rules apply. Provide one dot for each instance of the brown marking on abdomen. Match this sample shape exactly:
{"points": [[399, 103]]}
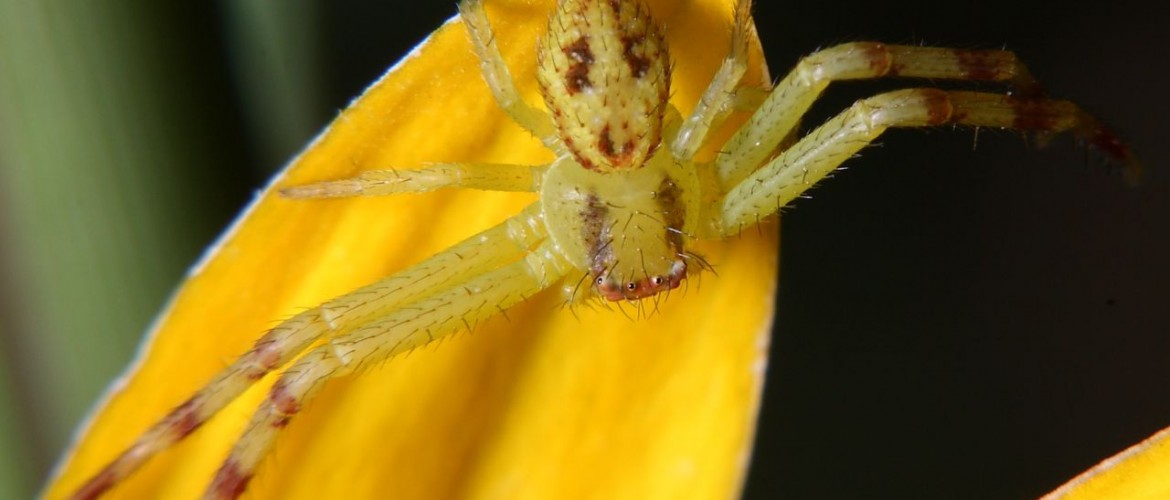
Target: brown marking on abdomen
{"points": [[607, 147], [577, 78], [639, 65]]}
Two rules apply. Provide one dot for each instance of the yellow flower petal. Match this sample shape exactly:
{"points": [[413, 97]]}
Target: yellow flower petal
{"points": [[543, 403], [1140, 472]]}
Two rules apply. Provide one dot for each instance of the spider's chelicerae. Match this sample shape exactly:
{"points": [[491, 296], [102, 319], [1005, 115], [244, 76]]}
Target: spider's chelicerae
{"points": [[620, 205]]}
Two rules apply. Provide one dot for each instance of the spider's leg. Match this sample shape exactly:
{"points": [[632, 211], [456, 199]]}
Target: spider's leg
{"points": [[778, 116], [412, 325], [815, 155], [486, 176], [720, 98], [491, 249], [499, 79]]}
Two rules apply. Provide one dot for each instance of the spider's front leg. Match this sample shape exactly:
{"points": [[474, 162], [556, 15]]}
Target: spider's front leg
{"points": [[778, 116], [812, 158], [483, 253], [457, 307], [486, 176]]}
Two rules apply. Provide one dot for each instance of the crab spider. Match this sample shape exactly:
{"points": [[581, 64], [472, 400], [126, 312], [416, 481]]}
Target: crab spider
{"points": [[619, 207]]}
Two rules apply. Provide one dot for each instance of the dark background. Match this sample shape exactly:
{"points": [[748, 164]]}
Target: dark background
{"points": [[953, 321]]}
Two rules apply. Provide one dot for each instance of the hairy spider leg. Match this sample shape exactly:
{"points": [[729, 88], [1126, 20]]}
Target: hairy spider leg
{"points": [[492, 249], [486, 176], [417, 323], [499, 79], [778, 116], [824, 149], [721, 96]]}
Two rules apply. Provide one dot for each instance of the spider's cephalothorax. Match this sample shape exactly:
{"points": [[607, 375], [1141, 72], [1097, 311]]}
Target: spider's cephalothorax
{"points": [[625, 228]]}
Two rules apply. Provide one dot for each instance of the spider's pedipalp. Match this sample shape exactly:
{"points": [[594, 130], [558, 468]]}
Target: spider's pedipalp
{"points": [[820, 152], [778, 116]]}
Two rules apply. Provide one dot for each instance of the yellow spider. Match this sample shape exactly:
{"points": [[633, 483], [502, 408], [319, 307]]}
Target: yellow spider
{"points": [[619, 210]]}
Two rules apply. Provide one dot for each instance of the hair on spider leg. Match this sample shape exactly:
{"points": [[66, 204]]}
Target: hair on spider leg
{"points": [[503, 312]]}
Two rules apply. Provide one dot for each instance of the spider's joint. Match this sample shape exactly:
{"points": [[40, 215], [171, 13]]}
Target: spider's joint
{"points": [[329, 317], [808, 76], [343, 355], [869, 117], [544, 264]]}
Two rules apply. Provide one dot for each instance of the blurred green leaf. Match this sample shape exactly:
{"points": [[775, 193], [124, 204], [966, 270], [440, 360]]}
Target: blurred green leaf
{"points": [[112, 146]]}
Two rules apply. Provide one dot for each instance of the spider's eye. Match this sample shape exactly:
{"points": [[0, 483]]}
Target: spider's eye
{"points": [[657, 280], [600, 280], [631, 286]]}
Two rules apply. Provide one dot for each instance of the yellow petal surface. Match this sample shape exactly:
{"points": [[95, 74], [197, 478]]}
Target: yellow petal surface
{"points": [[542, 403], [1140, 472]]}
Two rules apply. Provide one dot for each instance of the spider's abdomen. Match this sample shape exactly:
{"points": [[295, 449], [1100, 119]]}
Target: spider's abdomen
{"points": [[605, 76]]}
